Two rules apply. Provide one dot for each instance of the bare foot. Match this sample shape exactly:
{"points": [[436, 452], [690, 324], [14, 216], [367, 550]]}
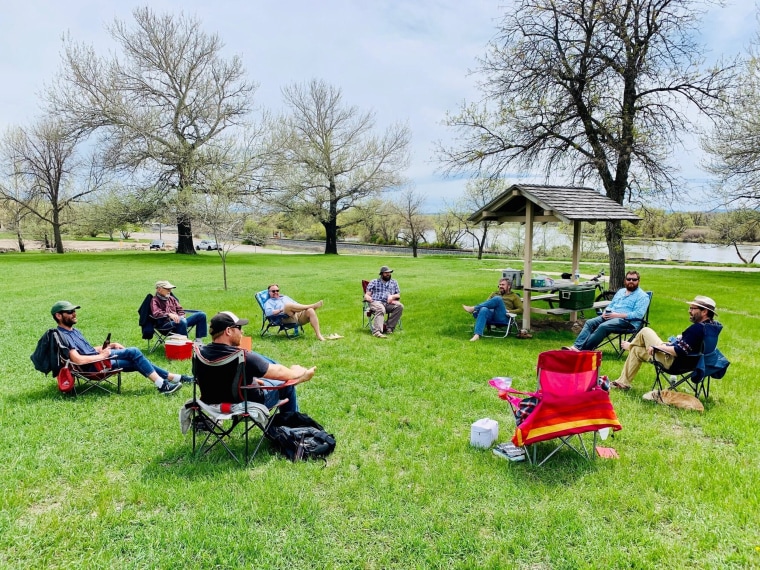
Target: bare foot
{"points": [[320, 338], [469, 310], [319, 304], [475, 337]]}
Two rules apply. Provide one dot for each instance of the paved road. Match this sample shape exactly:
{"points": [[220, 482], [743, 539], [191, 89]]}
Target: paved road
{"points": [[171, 240], [72, 245]]}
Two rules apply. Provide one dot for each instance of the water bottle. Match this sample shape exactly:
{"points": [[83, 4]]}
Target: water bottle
{"points": [[673, 379], [577, 277]]}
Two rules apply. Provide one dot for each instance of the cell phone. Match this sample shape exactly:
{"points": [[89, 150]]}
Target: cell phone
{"points": [[107, 341]]}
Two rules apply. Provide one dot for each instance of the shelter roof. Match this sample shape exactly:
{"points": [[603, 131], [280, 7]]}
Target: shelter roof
{"points": [[553, 204]]}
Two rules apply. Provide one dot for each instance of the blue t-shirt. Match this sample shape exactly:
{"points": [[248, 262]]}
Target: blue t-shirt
{"points": [[74, 339]]}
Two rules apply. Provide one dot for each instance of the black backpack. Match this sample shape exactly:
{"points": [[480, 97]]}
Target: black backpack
{"points": [[299, 437]]}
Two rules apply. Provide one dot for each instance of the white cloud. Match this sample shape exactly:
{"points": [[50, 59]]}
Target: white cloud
{"points": [[408, 61]]}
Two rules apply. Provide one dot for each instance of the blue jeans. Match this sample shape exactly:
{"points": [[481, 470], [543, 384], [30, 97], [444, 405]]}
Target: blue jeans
{"points": [[596, 330], [271, 397], [491, 312], [197, 318], [133, 360]]}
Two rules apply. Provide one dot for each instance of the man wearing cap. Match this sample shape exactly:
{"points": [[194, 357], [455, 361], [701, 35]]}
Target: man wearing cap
{"points": [[226, 332], [383, 296], [278, 304], [701, 315], [165, 308], [494, 309], [131, 359]]}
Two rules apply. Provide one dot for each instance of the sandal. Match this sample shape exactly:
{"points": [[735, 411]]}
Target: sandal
{"points": [[619, 386]]}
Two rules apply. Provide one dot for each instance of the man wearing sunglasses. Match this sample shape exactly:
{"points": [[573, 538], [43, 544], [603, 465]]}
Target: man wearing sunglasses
{"points": [[226, 332], [278, 304], [641, 348], [130, 359], [627, 306]]}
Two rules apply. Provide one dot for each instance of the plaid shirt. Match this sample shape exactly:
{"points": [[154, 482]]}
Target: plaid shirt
{"points": [[379, 289]]}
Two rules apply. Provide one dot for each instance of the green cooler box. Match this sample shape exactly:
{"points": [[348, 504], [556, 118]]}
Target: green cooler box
{"points": [[576, 297]]}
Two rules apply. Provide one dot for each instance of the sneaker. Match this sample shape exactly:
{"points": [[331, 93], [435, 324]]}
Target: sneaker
{"points": [[186, 379], [378, 334], [169, 387]]}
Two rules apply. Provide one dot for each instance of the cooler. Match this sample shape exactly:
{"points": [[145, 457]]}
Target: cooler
{"points": [[484, 432], [179, 349], [576, 297], [514, 275]]}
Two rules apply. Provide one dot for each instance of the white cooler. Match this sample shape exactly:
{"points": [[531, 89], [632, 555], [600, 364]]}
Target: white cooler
{"points": [[484, 432]]}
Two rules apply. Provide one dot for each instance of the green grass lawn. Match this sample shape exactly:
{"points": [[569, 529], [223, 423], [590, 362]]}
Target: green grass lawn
{"points": [[109, 481]]}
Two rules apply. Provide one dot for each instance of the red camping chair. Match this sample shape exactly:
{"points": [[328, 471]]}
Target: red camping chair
{"points": [[569, 402]]}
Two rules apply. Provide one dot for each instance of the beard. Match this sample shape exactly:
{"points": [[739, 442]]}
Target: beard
{"points": [[385, 277]]}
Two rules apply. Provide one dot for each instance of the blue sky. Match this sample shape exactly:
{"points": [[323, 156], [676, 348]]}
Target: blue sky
{"points": [[406, 60]]}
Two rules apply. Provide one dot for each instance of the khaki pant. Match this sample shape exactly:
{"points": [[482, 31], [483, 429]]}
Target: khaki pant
{"points": [[638, 353], [379, 310]]}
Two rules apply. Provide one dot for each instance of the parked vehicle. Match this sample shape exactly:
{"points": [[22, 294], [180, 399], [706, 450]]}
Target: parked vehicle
{"points": [[157, 244], [208, 245]]}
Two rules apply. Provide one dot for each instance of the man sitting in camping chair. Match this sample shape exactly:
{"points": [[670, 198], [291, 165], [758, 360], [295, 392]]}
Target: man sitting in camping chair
{"points": [[226, 332], [625, 311], [493, 311], [646, 345], [170, 316]]}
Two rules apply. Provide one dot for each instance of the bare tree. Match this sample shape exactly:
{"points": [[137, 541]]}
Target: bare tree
{"points": [[163, 107], [734, 144], [478, 193], [737, 227], [596, 90], [414, 223], [328, 157], [449, 230], [47, 171]]}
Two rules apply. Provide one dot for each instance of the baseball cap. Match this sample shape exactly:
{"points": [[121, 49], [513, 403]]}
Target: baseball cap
{"points": [[61, 306], [165, 285], [221, 321]]}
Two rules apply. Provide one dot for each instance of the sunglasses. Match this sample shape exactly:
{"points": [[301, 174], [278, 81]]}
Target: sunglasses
{"points": [[69, 312], [238, 327], [631, 279], [274, 290]]}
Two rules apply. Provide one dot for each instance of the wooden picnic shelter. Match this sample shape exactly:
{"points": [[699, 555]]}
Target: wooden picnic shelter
{"points": [[535, 204]]}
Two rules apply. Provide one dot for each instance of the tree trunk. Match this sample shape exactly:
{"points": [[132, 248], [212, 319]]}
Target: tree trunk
{"points": [[331, 236], [57, 239], [414, 249], [21, 246], [184, 236], [613, 232]]}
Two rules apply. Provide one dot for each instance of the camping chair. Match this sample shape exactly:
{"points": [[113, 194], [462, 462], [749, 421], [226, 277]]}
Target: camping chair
{"points": [[213, 424], [568, 403], [98, 375], [367, 316], [292, 330], [694, 370], [501, 330], [615, 339], [156, 331]]}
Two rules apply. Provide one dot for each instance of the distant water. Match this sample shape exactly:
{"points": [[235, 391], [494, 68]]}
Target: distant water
{"points": [[655, 250]]}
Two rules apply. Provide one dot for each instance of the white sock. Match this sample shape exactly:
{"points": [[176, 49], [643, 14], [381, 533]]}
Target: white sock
{"points": [[175, 377], [159, 382]]}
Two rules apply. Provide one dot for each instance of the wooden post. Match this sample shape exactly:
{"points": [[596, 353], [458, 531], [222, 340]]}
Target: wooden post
{"points": [[528, 264]]}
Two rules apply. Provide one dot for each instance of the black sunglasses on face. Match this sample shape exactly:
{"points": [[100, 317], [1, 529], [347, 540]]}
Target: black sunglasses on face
{"points": [[69, 312], [238, 327], [631, 279], [274, 291]]}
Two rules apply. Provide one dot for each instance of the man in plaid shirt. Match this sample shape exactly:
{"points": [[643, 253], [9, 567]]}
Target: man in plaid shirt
{"points": [[383, 296]]}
